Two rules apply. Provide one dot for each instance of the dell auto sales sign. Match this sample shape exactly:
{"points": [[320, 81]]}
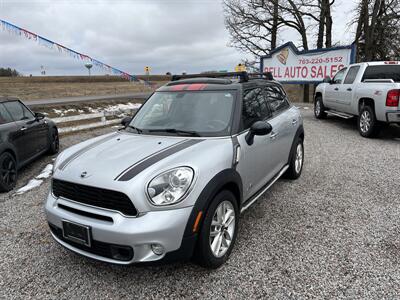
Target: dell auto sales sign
{"points": [[289, 65]]}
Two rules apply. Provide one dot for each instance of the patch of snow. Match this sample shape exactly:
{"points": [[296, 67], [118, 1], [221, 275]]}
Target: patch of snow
{"points": [[33, 183], [122, 107], [62, 112], [58, 112], [46, 172], [37, 181], [92, 110], [306, 108]]}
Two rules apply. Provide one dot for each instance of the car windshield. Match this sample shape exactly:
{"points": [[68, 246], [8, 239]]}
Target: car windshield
{"points": [[191, 113]]}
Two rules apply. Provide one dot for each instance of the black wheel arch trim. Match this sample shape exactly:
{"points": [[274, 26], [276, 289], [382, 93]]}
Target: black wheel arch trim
{"points": [[299, 132], [219, 181]]}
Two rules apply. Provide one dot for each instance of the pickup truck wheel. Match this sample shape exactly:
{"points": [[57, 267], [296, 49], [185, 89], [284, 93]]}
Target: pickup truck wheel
{"points": [[368, 126], [8, 172], [296, 160], [218, 233], [319, 108]]}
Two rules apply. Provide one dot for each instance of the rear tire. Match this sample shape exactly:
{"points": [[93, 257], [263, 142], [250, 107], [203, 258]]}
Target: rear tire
{"points": [[319, 108], [368, 125], [54, 142], [296, 161], [8, 172], [218, 233]]}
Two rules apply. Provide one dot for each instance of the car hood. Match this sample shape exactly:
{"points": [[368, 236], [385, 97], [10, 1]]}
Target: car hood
{"points": [[114, 156]]}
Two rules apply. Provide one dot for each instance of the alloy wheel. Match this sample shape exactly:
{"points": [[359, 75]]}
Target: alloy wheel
{"points": [[317, 108], [365, 121], [298, 163], [8, 171], [222, 228]]}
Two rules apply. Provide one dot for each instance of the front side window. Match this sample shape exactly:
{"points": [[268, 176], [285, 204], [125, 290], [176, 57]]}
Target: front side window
{"points": [[18, 111], [277, 98], [197, 113], [4, 115], [351, 75], [338, 79], [255, 107]]}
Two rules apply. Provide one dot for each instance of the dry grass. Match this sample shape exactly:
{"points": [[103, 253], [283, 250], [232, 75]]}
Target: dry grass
{"points": [[30, 88]]}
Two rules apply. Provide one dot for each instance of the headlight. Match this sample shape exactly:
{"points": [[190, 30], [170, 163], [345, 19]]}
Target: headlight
{"points": [[170, 187]]}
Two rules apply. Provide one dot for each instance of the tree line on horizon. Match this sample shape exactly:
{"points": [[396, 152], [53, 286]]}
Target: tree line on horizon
{"points": [[8, 72]]}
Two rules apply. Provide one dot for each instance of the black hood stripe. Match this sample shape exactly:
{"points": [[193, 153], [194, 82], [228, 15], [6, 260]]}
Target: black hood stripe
{"points": [[150, 160], [84, 149], [147, 157]]}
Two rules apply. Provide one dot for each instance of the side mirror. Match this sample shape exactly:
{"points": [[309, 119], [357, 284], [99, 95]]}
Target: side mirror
{"points": [[258, 128], [125, 121], [327, 79], [39, 116]]}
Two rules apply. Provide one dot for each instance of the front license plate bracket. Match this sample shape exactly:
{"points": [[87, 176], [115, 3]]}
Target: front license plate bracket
{"points": [[76, 233]]}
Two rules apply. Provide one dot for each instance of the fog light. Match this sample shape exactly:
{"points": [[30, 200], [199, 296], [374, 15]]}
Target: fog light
{"points": [[157, 249]]}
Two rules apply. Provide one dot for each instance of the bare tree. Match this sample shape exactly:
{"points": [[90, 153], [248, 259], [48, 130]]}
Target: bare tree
{"points": [[252, 24], [378, 30]]}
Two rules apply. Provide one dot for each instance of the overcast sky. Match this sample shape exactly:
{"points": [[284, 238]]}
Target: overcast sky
{"points": [[167, 35]]}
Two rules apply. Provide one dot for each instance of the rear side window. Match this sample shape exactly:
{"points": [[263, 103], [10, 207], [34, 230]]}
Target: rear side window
{"points": [[18, 111], [255, 107], [277, 98], [4, 115], [351, 75], [383, 72]]}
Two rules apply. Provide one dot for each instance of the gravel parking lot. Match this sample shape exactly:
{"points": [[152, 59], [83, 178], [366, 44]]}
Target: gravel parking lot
{"points": [[334, 233]]}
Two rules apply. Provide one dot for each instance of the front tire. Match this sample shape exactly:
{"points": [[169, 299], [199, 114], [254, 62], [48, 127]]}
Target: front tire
{"points": [[368, 125], [319, 108], [54, 142], [219, 231], [296, 160], [8, 172]]}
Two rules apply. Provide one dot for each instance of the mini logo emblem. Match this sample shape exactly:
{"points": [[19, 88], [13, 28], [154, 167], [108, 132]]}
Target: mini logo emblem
{"points": [[84, 174]]}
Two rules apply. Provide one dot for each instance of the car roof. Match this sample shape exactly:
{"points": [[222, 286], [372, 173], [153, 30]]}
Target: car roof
{"points": [[6, 98]]}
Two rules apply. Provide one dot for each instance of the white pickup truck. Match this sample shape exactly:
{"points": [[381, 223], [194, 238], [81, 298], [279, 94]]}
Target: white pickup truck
{"points": [[370, 91]]}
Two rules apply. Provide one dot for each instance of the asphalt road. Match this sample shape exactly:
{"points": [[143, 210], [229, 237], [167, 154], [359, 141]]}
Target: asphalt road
{"points": [[85, 99], [334, 233]]}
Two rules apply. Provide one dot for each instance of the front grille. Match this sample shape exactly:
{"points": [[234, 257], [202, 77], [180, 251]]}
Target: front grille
{"points": [[94, 196], [117, 252]]}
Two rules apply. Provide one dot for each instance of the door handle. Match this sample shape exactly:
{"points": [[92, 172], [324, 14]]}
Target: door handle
{"points": [[23, 128], [294, 122], [273, 135], [349, 89], [336, 89]]}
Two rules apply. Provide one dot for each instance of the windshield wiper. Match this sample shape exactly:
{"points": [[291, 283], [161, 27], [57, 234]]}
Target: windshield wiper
{"points": [[177, 131], [138, 130]]}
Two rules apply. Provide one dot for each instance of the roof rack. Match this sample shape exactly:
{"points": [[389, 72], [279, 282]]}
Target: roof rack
{"points": [[264, 75], [243, 76]]}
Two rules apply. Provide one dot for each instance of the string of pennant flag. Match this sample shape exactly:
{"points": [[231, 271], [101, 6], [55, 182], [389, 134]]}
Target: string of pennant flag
{"points": [[18, 31]]}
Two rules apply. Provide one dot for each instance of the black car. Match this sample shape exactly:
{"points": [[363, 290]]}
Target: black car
{"points": [[24, 136]]}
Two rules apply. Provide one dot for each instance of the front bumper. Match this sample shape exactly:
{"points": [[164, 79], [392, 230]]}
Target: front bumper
{"points": [[165, 228], [393, 117]]}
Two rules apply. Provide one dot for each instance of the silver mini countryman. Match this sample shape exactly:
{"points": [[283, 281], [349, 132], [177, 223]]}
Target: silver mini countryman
{"points": [[172, 183]]}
